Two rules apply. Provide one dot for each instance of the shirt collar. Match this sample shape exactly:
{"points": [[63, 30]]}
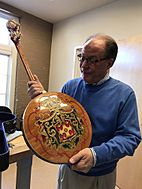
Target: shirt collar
{"points": [[102, 80]]}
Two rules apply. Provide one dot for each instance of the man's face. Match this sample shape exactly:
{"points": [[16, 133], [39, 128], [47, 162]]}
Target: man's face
{"points": [[93, 63]]}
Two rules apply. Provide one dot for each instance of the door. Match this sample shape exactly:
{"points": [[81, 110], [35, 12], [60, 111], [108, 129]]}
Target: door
{"points": [[128, 68]]}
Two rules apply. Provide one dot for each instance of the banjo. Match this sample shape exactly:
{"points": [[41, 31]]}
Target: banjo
{"points": [[55, 125]]}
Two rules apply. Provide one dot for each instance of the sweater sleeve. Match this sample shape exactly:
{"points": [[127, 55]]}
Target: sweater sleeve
{"points": [[126, 137], [64, 89]]}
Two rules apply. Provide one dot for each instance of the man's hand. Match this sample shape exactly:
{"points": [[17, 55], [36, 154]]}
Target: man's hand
{"points": [[82, 161], [34, 87]]}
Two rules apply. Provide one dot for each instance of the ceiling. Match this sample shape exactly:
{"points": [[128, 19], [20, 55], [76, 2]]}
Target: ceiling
{"points": [[56, 10]]}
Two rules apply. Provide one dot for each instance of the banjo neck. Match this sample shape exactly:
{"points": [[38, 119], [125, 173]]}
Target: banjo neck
{"points": [[25, 62]]}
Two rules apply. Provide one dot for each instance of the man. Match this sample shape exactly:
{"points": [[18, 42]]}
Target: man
{"points": [[111, 106]]}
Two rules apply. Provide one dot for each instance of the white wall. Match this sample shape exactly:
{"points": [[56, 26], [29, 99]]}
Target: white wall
{"points": [[120, 19]]}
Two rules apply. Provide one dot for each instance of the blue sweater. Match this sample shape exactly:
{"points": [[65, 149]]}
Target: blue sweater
{"points": [[112, 109]]}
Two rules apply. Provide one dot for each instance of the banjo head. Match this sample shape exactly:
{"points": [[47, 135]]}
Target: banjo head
{"points": [[56, 127]]}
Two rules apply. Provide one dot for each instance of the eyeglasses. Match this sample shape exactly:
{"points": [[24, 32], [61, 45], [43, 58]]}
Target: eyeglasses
{"points": [[90, 60]]}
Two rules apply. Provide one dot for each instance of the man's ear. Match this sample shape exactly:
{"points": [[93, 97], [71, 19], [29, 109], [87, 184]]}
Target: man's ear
{"points": [[110, 62]]}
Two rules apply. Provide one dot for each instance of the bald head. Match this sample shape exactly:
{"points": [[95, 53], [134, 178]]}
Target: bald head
{"points": [[106, 44]]}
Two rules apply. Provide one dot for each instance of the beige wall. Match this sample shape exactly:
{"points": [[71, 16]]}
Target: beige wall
{"points": [[120, 20], [36, 44]]}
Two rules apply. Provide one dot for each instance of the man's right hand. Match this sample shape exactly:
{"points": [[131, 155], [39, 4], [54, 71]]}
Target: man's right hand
{"points": [[34, 87]]}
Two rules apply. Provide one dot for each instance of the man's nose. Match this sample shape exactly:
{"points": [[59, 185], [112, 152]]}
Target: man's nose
{"points": [[84, 63]]}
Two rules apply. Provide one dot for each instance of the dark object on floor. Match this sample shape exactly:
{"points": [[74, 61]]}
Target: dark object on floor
{"points": [[6, 119]]}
